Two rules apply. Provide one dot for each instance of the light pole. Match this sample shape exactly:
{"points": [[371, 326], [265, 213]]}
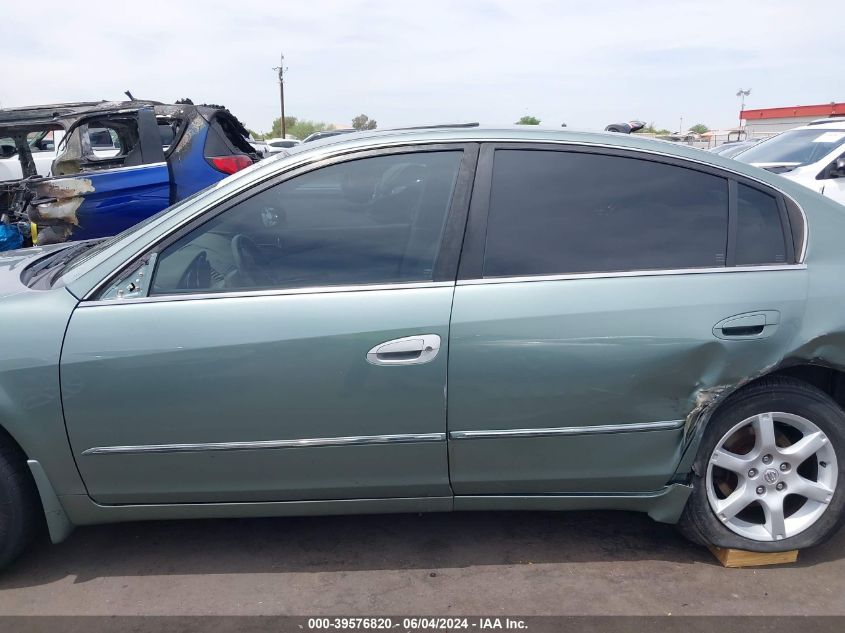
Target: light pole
{"points": [[281, 70], [742, 94]]}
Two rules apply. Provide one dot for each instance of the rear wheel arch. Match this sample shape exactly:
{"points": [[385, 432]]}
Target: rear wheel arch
{"points": [[812, 391], [827, 378]]}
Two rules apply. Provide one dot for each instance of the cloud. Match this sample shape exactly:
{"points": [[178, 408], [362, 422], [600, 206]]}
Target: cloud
{"points": [[413, 61]]}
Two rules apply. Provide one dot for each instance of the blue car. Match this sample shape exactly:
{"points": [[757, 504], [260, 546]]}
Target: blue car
{"points": [[87, 170]]}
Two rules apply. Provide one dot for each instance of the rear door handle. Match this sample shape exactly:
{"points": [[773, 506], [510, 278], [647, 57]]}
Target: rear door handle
{"points": [[751, 325], [410, 350]]}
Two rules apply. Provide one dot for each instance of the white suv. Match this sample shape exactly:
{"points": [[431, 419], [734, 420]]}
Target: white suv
{"points": [[43, 146], [813, 155]]}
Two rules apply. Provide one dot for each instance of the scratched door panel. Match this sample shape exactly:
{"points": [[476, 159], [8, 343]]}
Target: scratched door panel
{"points": [[596, 352]]}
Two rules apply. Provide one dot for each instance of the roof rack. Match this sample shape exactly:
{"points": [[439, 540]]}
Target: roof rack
{"points": [[438, 126]]}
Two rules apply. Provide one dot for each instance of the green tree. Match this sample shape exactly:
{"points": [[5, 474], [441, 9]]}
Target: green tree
{"points": [[299, 128], [699, 128], [363, 122], [528, 120], [651, 129]]}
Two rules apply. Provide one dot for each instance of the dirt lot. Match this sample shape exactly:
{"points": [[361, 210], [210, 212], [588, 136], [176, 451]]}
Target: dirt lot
{"points": [[470, 564]]}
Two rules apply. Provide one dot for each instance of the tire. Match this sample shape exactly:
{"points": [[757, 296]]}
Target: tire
{"points": [[792, 404], [19, 507]]}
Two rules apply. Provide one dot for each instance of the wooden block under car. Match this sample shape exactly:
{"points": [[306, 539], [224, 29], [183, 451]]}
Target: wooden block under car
{"points": [[741, 558]]}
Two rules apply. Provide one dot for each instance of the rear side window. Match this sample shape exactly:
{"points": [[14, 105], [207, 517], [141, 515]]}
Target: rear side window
{"points": [[759, 231], [557, 212]]}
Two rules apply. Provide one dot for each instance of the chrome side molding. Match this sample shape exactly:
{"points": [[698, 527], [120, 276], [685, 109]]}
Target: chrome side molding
{"points": [[361, 440], [669, 425], [364, 440], [632, 273]]}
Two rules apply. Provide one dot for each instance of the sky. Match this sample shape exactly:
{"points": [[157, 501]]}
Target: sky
{"points": [[404, 62]]}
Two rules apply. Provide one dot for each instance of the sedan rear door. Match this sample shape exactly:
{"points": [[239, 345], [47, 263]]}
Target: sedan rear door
{"points": [[603, 296]]}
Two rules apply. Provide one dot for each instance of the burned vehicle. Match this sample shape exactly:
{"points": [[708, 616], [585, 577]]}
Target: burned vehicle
{"points": [[80, 171]]}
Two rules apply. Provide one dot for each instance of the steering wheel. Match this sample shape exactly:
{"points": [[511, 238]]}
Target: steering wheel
{"points": [[248, 261], [197, 275]]}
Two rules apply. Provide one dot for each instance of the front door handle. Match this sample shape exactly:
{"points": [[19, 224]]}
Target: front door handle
{"points": [[751, 325], [410, 350]]}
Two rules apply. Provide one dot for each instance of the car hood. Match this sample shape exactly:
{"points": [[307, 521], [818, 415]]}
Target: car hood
{"points": [[13, 263], [776, 168]]}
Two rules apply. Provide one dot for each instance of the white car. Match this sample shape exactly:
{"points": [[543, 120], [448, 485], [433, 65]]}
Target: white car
{"points": [[261, 147], [43, 146], [813, 155], [278, 145]]}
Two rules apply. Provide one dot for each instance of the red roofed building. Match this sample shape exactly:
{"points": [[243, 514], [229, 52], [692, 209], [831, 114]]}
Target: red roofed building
{"points": [[768, 121]]}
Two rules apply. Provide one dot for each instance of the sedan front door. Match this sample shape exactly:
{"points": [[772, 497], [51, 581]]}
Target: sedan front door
{"points": [[292, 346]]}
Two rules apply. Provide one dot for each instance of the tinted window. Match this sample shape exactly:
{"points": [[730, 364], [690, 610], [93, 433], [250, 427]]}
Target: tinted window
{"points": [[374, 220], [560, 212], [759, 234]]}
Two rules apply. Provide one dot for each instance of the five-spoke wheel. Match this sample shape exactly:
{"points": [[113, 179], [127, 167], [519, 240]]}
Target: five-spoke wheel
{"points": [[771, 476], [770, 469]]}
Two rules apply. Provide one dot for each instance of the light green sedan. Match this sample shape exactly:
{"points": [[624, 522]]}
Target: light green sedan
{"points": [[440, 319]]}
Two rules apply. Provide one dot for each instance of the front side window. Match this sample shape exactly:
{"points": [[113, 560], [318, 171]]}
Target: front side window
{"points": [[367, 221], [554, 212]]}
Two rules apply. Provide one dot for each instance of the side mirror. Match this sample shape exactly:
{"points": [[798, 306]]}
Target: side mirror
{"points": [[835, 169]]}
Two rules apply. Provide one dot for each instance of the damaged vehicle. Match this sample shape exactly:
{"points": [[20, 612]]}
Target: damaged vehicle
{"points": [[80, 171], [434, 320]]}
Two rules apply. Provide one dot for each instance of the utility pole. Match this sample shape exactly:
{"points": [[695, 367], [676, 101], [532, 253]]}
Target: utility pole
{"points": [[742, 94], [281, 70]]}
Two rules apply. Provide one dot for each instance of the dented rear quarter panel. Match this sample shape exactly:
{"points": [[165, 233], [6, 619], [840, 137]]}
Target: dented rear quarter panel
{"points": [[819, 330]]}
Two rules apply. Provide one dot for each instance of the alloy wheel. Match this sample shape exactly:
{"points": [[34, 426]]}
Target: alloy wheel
{"points": [[771, 476]]}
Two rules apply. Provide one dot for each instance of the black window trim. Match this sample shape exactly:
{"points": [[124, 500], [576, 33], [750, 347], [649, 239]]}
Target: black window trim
{"points": [[447, 258], [472, 255]]}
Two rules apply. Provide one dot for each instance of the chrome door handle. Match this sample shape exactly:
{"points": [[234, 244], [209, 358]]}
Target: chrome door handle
{"points": [[751, 325], [410, 350]]}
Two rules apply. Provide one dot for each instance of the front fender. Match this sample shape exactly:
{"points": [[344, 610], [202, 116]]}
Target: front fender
{"points": [[30, 397]]}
